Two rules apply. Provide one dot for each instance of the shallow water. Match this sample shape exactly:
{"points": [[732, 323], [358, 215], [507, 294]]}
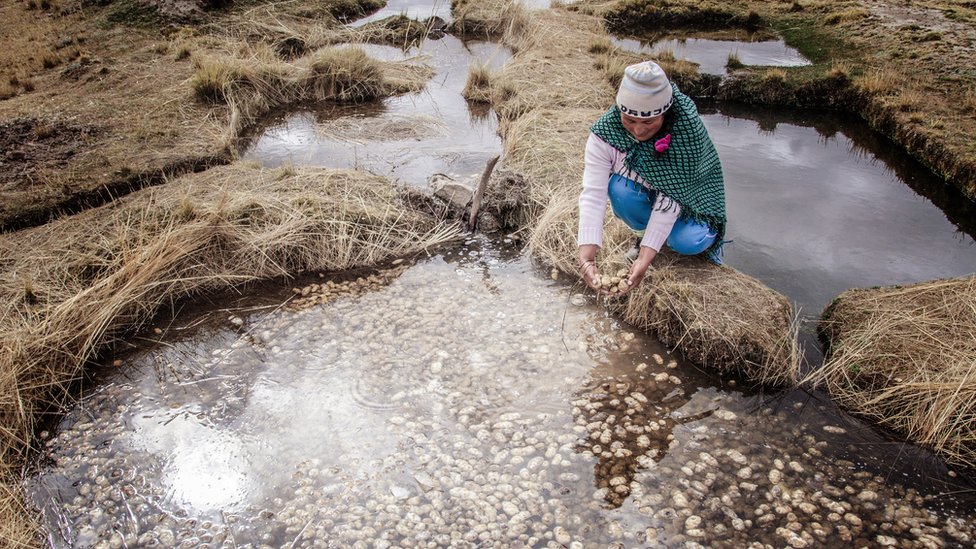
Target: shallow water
{"points": [[468, 399], [413, 136], [713, 55], [423, 9], [829, 209]]}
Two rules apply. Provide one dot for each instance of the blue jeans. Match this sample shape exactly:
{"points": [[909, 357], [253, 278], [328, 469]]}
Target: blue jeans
{"points": [[632, 203]]}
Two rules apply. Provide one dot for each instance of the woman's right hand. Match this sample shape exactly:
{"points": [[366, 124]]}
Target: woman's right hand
{"points": [[587, 266], [590, 274]]}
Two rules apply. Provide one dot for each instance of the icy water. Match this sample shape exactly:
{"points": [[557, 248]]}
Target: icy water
{"points": [[713, 55], [467, 398]]}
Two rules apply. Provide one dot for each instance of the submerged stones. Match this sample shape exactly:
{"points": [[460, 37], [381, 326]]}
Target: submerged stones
{"points": [[320, 293], [411, 416]]}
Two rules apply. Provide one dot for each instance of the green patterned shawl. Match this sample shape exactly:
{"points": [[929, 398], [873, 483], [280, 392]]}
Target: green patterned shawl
{"points": [[689, 172]]}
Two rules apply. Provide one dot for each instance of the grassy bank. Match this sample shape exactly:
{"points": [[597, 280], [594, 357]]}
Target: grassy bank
{"points": [[121, 104], [902, 357]]}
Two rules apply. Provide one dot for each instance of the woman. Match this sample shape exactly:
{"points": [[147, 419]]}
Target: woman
{"points": [[651, 157]]}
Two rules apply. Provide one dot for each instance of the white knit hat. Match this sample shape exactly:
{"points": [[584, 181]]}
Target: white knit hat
{"points": [[645, 91]]}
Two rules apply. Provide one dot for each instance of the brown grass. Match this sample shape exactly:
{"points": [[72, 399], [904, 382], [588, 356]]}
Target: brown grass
{"points": [[969, 103], [254, 86], [7, 90], [50, 59], [879, 82], [774, 76], [101, 274], [600, 45], [478, 85], [903, 357], [838, 17], [492, 19], [733, 62]]}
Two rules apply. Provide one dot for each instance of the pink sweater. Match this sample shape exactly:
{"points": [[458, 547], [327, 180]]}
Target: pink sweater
{"points": [[600, 161]]}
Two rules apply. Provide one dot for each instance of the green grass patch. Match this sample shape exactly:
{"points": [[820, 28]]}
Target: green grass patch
{"points": [[817, 43], [133, 13], [643, 16]]}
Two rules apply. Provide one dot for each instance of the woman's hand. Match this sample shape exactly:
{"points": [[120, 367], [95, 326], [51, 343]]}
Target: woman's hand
{"points": [[640, 266], [591, 275], [587, 267]]}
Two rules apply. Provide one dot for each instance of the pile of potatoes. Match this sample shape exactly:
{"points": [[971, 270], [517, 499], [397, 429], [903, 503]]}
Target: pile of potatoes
{"points": [[616, 283]]}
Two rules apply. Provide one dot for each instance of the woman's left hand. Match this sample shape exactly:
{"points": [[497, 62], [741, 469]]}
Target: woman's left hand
{"points": [[640, 266]]}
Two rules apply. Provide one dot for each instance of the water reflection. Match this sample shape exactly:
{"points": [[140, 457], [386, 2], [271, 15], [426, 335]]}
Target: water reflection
{"points": [[414, 9], [421, 10], [713, 55], [817, 205], [408, 137]]}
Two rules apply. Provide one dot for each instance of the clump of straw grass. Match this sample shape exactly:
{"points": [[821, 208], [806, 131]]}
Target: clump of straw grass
{"points": [[101, 274], [342, 74], [478, 85], [492, 19], [903, 357], [254, 86]]}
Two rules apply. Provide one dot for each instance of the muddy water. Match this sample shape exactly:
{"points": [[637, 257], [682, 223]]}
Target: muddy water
{"points": [[467, 399], [713, 55]]}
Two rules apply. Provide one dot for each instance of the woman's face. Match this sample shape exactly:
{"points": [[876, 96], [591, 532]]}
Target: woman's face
{"points": [[642, 128]]}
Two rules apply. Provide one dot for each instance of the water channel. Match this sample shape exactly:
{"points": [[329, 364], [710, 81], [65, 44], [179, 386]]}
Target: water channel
{"points": [[470, 398], [712, 55]]}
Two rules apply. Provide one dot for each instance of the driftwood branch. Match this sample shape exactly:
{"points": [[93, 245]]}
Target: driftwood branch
{"points": [[479, 193]]}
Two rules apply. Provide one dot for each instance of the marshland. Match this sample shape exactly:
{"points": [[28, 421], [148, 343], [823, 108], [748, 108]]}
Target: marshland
{"points": [[244, 305]]}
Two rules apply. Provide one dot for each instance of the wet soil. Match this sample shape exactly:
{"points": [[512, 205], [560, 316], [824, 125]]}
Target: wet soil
{"points": [[29, 145]]}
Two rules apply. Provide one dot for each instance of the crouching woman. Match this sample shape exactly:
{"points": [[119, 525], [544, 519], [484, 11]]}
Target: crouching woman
{"points": [[652, 159]]}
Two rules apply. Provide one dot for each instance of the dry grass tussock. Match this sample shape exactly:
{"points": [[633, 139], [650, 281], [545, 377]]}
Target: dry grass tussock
{"points": [[504, 19], [547, 71], [905, 357], [69, 288], [254, 85], [715, 315]]}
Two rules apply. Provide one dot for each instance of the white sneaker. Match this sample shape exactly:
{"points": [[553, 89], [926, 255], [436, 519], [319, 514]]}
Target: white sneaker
{"points": [[632, 253]]}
